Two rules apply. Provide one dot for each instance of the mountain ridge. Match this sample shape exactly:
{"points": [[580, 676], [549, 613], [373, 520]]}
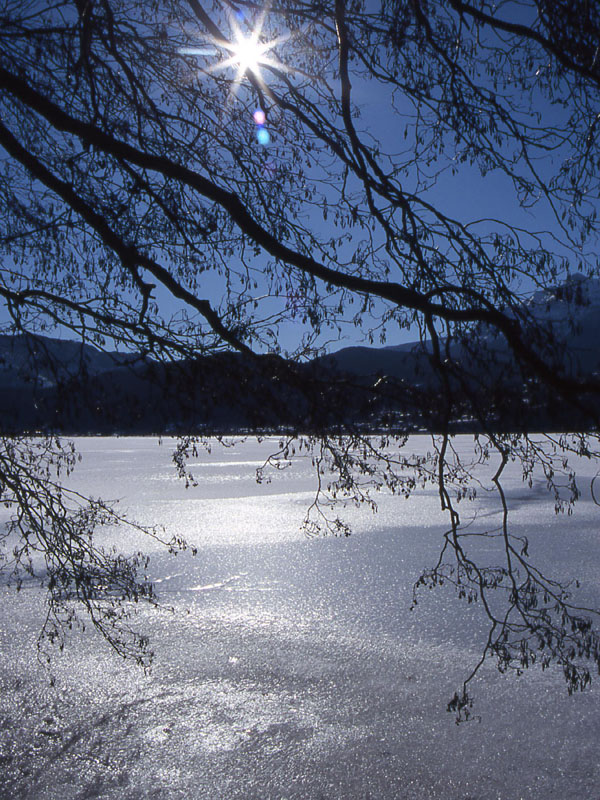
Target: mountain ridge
{"points": [[48, 383]]}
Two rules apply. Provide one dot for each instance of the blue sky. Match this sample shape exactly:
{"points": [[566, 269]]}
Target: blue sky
{"points": [[467, 196]]}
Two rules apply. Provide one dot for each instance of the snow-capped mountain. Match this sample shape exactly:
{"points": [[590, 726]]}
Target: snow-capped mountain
{"points": [[570, 312]]}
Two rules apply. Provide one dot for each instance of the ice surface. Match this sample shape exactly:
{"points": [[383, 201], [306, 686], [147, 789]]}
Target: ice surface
{"points": [[292, 667]]}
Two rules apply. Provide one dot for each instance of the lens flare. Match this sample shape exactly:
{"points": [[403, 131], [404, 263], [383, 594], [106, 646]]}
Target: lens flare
{"points": [[262, 136]]}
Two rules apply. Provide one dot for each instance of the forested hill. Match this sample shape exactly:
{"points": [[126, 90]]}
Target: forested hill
{"points": [[65, 386]]}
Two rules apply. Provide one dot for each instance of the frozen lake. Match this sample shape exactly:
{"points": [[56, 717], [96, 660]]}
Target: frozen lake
{"points": [[293, 667]]}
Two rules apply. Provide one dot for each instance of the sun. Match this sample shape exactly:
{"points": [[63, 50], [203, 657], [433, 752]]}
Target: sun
{"points": [[247, 53]]}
